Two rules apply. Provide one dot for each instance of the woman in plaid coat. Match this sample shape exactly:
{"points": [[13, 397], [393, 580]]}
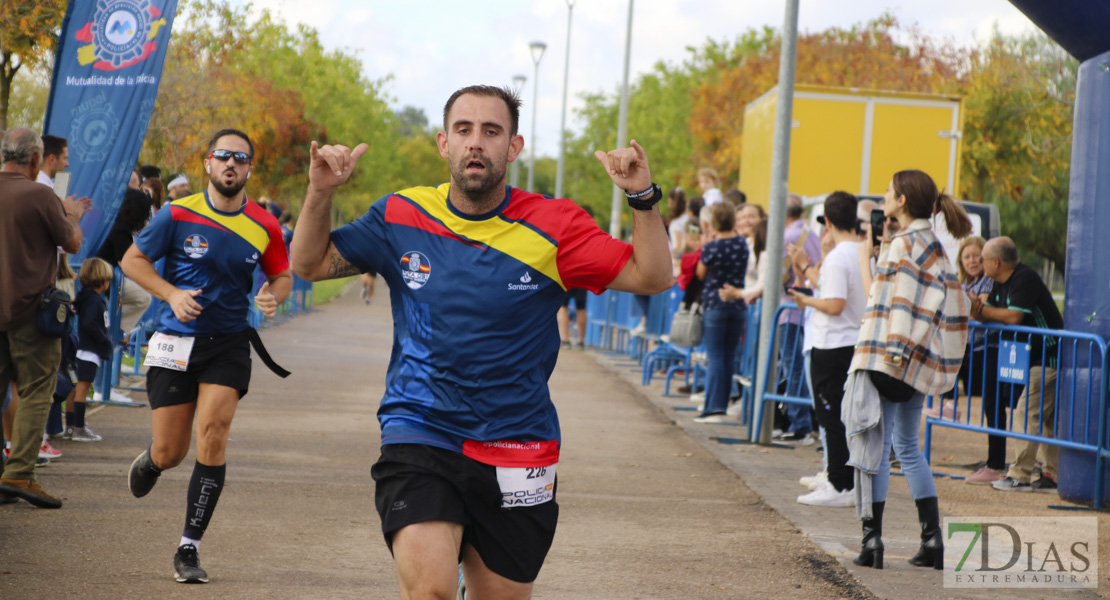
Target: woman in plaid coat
{"points": [[911, 345]]}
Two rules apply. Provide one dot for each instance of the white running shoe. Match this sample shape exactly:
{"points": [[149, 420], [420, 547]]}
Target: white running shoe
{"points": [[812, 481], [826, 495], [117, 396], [715, 418]]}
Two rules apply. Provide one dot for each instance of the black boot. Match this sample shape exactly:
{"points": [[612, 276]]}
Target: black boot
{"points": [[871, 555], [931, 552]]}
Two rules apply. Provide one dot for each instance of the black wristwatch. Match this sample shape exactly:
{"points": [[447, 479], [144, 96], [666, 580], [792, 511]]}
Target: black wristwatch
{"points": [[646, 199]]}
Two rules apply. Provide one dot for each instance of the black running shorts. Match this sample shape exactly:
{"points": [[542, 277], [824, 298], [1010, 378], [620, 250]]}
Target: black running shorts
{"points": [[86, 371], [223, 360], [579, 296], [417, 484]]}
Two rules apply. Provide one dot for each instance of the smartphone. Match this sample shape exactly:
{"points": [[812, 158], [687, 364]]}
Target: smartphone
{"points": [[800, 290], [878, 219]]}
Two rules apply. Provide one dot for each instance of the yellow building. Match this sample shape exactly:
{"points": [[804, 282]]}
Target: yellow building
{"points": [[853, 140]]}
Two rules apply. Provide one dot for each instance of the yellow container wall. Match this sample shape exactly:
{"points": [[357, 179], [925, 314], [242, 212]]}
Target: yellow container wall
{"points": [[890, 151], [757, 149], [826, 149]]}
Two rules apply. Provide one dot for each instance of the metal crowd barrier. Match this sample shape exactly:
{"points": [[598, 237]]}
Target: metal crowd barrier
{"points": [[1080, 390], [792, 388]]}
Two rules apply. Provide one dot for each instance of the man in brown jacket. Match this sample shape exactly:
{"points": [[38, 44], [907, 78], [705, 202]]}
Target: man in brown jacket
{"points": [[33, 224]]}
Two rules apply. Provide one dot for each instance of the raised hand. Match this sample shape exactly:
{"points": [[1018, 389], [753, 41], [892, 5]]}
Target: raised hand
{"points": [[331, 166], [627, 167], [266, 301]]}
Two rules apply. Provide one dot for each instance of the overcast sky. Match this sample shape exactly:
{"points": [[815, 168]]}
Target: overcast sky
{"points": [[433, 47]]}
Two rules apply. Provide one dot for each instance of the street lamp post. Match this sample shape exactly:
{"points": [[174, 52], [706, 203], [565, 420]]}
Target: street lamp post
{"points": [[537, 53], [563, 117], [514, 169]]}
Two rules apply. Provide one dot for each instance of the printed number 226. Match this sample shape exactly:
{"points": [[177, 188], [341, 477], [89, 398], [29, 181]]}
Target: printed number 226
{"points": [[535, 472]]}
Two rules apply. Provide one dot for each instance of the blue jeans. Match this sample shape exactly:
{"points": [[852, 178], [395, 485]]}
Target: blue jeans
{"points": [[900, 423], [722, 332], [792, 377]]}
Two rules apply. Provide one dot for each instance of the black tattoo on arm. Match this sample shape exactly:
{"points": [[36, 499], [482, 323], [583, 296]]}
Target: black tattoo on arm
{"points": [[339, 266]]}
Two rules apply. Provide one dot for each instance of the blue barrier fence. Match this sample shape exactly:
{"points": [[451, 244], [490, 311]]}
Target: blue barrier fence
{"points": [[612, 317], [999, 368]]}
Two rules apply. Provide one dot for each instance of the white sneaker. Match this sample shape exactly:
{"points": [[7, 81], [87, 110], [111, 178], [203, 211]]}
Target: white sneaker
{"points": [[698, 397], [826, 495], [734, 409], [812, 481], [117, 396], [717, 418], [638, 330]]}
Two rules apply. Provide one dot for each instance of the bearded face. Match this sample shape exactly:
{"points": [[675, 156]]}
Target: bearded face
{"points": [[477, 173], [228, 178]]}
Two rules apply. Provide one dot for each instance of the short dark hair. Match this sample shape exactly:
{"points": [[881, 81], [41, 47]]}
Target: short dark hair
{"points": [[840, 210], [221, 133], [511, 99], [695, 205], [285, 217], [53, 145], [736, 197], [148, 171]]}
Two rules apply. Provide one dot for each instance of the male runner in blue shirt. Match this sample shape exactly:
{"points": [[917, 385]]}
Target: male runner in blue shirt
{"points": [[476, 272], [199, 360]]}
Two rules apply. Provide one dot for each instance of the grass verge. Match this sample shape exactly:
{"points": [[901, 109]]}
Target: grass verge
{"points": [[324, 291]]}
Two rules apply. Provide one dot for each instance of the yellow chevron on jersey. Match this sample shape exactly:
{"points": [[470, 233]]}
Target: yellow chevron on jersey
{"points": [[512, 238], [242, 225]]}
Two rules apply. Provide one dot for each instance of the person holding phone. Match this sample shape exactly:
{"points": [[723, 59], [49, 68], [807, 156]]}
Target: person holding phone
{"points": [[903, 355], [838, 310]]}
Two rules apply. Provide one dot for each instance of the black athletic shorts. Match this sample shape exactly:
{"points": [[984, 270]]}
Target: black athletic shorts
{"points": [[579, 295], [222, 360], [86, 371], [417, 483]]}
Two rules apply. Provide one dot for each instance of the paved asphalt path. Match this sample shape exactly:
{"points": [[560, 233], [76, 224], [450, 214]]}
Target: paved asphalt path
{"points": [[646, 511]]}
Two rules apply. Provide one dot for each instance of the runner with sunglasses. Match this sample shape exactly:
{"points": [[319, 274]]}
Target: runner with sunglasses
{"points": [[199, 360]]}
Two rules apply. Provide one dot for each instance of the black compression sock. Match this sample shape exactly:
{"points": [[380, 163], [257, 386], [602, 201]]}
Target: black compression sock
{"points": [[204, 491], [78, 414]]}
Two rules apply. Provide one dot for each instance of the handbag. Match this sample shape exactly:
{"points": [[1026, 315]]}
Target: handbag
{"points": [[55, 311], [686, 327]]}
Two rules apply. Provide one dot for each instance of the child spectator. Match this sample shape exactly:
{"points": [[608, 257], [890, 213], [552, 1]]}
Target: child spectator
{"points": [[93, 344]]}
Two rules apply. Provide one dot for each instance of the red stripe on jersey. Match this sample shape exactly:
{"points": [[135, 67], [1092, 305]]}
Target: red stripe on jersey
{"points": [[588, 257], [505, 453], [276, 258], [188, 216], [399, 211]]}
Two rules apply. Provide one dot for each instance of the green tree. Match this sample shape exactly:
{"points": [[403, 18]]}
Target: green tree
{"points": [[1019, 100], [27, 38]]}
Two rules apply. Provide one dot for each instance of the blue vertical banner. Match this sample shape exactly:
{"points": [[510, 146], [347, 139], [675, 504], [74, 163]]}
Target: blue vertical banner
{"points": [[106, 74]]}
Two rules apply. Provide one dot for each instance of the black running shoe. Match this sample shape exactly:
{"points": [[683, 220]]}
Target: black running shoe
{"points": [[143, 475], [186, 566]]}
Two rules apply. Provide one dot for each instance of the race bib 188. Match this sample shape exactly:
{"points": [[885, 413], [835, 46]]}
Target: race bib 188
{"points": [[169, 352]]}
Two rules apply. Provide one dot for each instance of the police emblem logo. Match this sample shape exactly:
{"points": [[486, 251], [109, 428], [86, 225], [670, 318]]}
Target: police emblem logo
{"points": [[415, 270], [196, 246], [120, 29]]}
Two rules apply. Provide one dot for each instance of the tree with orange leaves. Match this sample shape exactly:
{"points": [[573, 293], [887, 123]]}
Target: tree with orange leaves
{"points": [[27, 37]]}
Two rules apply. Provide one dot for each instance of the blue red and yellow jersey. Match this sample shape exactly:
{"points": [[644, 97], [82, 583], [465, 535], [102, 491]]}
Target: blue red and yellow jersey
{"points": [[216, 252], [474, 301]]}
